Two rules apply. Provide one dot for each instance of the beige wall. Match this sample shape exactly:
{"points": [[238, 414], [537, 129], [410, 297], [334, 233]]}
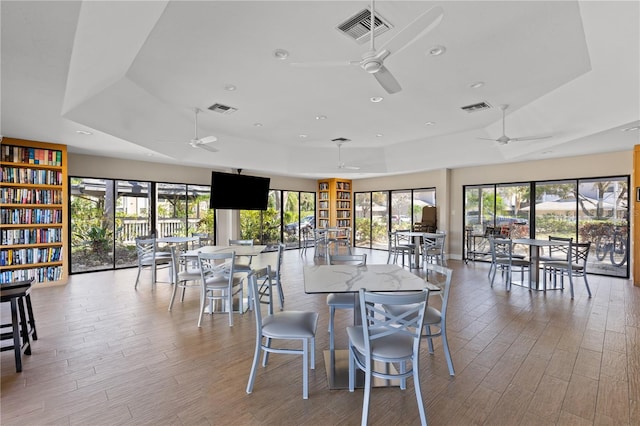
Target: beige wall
{"points": [[114, 168], [449, 183]]}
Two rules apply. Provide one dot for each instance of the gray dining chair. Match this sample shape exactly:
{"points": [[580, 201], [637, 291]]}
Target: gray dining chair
{"points": [[286, 325], [574, 266], [503, 258], [385, 340], [218, 282], [342, 300], [150, 257], [183, 272]]}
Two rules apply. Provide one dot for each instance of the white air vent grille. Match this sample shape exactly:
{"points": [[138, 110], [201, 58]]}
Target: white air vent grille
{"points": [[222, 109], [476, 107], [358, 27]]}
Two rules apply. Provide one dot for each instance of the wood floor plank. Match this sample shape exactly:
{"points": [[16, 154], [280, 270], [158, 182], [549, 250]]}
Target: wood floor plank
{"points": [[108, 355]]}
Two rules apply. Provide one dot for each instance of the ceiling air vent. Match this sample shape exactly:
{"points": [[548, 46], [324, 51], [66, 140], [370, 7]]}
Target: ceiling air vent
{"points": [[476, 107], [358, 27], [222, 109], [340, 140]]}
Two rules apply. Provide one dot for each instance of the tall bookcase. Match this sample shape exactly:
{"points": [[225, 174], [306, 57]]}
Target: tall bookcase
{"points": [[33, 212], [334, 203]]}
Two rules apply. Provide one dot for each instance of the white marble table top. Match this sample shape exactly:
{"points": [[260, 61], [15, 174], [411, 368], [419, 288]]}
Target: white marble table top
{"points": [[539, 243], [240, 250], [176, 240], [351, 278]]}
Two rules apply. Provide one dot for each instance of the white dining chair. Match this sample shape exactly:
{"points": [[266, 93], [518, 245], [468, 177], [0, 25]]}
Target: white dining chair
{"points": [[385, 339], [286, 325]]}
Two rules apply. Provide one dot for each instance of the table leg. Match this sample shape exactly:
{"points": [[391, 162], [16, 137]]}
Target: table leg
{"points": [[535, 266]]}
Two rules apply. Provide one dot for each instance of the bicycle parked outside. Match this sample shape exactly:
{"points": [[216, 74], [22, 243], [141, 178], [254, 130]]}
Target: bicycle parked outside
{"points": [[614, 244]]}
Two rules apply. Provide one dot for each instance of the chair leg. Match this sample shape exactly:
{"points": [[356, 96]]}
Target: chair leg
{"points": [[305, 369], [352, 371], [281, 293], [203, 302], [17, 351], [416, 384], [32, 320], [447, 353], [367, 395], [429, 338], [254, 365], [571, 283], [135, 287], [265, 358], [332, 312], [173, 295], [586, 283]]}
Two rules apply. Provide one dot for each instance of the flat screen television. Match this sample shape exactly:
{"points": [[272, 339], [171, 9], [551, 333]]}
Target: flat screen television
{"points": [[238, 192]]}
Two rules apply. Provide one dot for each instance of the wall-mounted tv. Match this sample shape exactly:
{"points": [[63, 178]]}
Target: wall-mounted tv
{"points": [[238, 192]]}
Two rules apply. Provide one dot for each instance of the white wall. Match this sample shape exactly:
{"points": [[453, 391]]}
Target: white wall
{"points": [[449, 183]]}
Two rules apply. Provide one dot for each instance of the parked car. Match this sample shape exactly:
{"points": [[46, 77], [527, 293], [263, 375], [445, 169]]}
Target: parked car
{"points": [[307, 221]]}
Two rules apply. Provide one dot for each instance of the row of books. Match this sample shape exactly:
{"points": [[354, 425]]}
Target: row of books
{"points": [[33, 176], [20, 154], [343, 204], [30, 216], [344, 195], [344, 185], [343, 214], [28, 256], [48, 273], [11, 237], [343, 223], [30, 196], [324, 186]]}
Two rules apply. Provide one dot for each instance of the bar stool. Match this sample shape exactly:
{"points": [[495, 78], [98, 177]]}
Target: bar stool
{"points": [[23, 327]]}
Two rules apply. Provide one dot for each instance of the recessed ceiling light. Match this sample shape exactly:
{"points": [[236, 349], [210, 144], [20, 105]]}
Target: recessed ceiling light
{"points": [[376, 99], [429, 123], [302, 136], [83, 132], [477, 84], [257, 124], [437, 50], [230, 87], [627, 129], [546, 152], [149, 154], [379, 135], [280, 54], [321, 117]]}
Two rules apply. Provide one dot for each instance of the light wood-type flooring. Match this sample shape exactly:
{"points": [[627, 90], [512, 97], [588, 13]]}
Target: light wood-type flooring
{"points": [[109, 355]]}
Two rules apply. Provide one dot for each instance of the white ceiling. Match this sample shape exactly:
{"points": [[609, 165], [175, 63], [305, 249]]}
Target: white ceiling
{"points": [[132, 72]]}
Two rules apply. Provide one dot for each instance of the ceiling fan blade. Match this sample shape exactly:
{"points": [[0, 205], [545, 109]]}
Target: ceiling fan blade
{"points": [[486, 139], [207, 139], [387, 80], [530, 138], [207, 147], [417, 29], [323, 64]]}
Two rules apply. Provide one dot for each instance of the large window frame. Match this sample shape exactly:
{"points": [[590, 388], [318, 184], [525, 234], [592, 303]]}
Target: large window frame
{"points": [[379, 212], [592, 209]]}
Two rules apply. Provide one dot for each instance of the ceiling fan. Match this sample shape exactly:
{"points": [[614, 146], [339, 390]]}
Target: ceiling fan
{"points": [[372, 61], [504, 139], [341, 165], [203, 143]]}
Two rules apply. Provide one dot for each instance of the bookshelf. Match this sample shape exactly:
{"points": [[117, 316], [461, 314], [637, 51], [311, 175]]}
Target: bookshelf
{"points": [[334, 203], [33, 212]]}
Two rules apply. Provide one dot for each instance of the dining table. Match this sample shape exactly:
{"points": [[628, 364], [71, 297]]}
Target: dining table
{"points": [[350, 279], [534, 255]]}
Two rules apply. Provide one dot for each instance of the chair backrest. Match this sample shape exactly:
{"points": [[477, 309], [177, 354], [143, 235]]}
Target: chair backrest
{"points": [[264, 291], [215, 265], [254, 290], [204, 239], [145, 247], [320, 236], [560, 251], [281, 248], [240, 242], [402, 239], [348, 259], [579, 254], [434, 242], [441, 277], [406, 319], [501, 248]]}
